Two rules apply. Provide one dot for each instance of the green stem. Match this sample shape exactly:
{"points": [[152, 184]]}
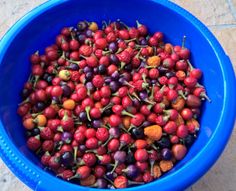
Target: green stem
{"points": [[127, 113], [87, 109]]}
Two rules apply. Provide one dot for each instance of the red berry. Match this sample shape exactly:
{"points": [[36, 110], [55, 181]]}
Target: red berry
{"points": [[101, 43], [74, 44], [98, 81], [95, 113], [142, 166], [99, 171], [89, 133], [89, 159], [170, 127], [190, 82], [153, 73], [83, 172], [196, 73], [92, 61], [85, 50], [56, 91], [114, 120], [79, 137], [48, 145], [147, 177], [137, 120], [172, 95], [141, 155], [121, 182], [105, 92], [46, 133], [187, 114], [174, 139], [33, 143], [91, 143], [102, 134], [182, 131], [113, 145], [124, 34]]}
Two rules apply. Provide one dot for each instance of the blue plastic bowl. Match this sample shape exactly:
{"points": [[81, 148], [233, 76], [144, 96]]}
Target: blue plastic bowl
{"points": [[37, 30]]}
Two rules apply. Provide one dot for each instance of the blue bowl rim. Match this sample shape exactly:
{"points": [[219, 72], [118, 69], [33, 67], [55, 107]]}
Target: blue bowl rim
{"points": [[36, 178]]}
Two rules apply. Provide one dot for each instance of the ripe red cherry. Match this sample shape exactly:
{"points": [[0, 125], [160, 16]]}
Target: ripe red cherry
{"points": [[74, 44], [85, 50], [153, 41], [89, 159], [82, 93], [159, 36], [182, 131], [184, 53], [168, 63], [95, 113], [114, 120], [153, 73], [196, 73], [101, 43], [138, 119], [99, 171], [190, 82], [187, 114], [113, 145], [105, 92], [141, 155], [142, 29], [89, 133], [124, 34], [92, 61], [142, 166], [102, 134], [91, 143], [126, 102], [35, 58], [56, 91], [98, 81], [41, 95], [172, 95], [170, 127]]}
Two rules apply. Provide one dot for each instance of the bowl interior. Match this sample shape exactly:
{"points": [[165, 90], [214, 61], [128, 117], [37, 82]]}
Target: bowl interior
{"points": [[41, 31]]}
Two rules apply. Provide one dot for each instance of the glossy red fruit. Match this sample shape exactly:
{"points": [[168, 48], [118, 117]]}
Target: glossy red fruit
{"points": [[33, 143], [89, 159], [102, 134], [142, 166], [99, 171], [98, 81], [105, 92], [170, 127], [91, 143], [182, 131], [101, 43], [137, 120], [113, 145], [114, 120], [85, 50], [141, 155], [187, 114], [190, 82], [74, 44], [83, 172]]}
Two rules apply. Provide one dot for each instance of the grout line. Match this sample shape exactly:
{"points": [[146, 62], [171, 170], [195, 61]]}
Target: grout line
{"points": [[222, 26], [233, 10]]}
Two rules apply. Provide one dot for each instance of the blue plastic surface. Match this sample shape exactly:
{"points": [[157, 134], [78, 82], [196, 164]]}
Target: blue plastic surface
{"points": [[38, 29]]}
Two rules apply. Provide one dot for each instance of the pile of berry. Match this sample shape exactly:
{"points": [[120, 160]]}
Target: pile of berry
{"points": [[111, 108]]}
